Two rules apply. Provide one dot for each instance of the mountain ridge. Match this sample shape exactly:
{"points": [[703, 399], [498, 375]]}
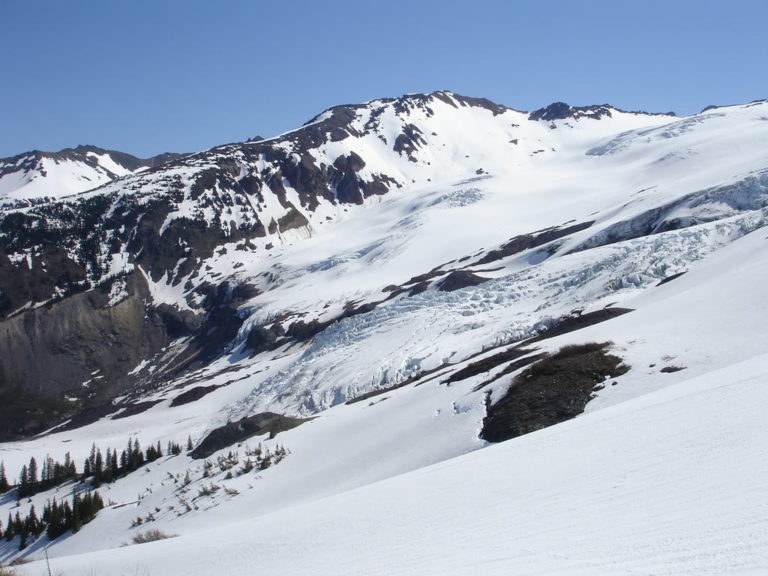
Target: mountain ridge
{"points": [[24, 177], [309, 332], [194, 236]]}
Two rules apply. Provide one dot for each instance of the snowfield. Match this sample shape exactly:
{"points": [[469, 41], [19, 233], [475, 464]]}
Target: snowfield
{"points": [[664, 473], [668, 483]]}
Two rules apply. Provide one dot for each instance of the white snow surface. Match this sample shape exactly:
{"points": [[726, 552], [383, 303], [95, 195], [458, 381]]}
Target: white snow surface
{"points": [[664, 472], [669, 483]]}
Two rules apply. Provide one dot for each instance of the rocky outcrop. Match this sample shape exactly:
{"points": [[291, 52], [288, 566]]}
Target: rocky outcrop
{"points": [[458, 279], [81, 349], [55, 348], [533, 240], [563, 111], [232, 432], [554, 389], [409, 141]]}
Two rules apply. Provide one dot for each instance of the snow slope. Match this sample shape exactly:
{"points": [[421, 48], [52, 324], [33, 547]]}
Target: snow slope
{"points": [[669, 483], [666, 478], [661, 475]]}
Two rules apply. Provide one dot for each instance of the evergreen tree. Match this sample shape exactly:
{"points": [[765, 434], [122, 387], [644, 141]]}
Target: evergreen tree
{"points": [[67, 516], [108, 476], [55, 520], [76, 520], [130, 465], [92, 457], [98, 469], [86, 508], [32, 522], [113, 465], [58, 524], [4, 485], [70, 470], [21, 530], [98, 502], [189, 443], [23, 482], [55, 471], [138, 455], [33, 472], [10, 532], [24, 534], [46, 473]]}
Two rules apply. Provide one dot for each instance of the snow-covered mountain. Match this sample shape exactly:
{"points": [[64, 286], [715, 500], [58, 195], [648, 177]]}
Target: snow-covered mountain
{"points": [[380, 292], [38, 176]]}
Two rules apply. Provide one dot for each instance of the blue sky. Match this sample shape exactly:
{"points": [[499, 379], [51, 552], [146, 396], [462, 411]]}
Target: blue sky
{"points": [[182, 75]]}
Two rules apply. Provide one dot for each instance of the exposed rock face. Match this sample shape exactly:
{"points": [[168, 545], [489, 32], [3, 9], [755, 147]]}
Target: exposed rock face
{"points": [[459, 279], [192, 395], [37, 280], [56, 348], [232, 432], [78, 351], [527, 241], [409, 141], [563, 111], [349, 187], [261, 339], [555, 389]]}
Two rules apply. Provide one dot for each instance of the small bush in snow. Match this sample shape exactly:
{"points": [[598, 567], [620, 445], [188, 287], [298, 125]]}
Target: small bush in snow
{"points": [[151, 536]]}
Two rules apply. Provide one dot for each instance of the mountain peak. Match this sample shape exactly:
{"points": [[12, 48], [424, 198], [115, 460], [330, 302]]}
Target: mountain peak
{"points": [[406, 102], [40, 174], [563, 111]]}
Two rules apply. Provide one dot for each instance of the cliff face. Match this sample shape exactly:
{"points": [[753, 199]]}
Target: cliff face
{"points": [[77, 352]]}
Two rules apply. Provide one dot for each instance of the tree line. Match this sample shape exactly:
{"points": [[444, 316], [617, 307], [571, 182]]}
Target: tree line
{"points": [[100, 467], [57, 519]]}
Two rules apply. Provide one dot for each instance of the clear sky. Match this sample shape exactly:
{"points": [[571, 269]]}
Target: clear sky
{"points": [[148, 76]]}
